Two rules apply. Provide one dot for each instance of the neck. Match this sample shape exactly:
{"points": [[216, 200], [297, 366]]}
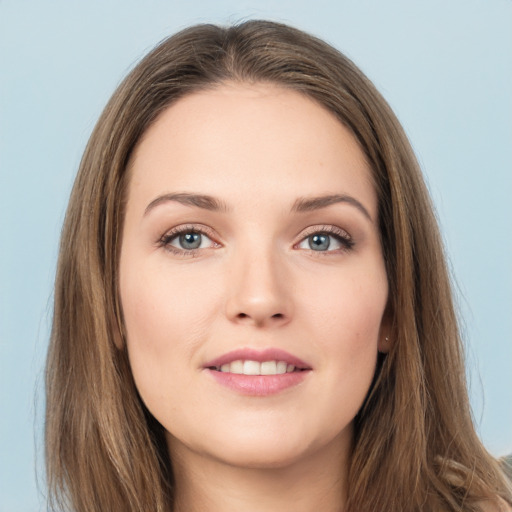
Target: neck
{"points": [[318, 482]]}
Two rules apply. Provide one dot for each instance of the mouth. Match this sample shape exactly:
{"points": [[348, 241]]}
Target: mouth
{"points": [[247, 361], [252, 367], [258, 373]]}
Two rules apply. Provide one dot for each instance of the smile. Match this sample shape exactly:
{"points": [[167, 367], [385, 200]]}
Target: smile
{"points": [[250, 367], [258, 372]]}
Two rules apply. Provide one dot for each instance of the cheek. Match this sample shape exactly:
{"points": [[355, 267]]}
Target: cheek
{"points": [[344, 320], [167, 316], [160, 304], [348, 306]]}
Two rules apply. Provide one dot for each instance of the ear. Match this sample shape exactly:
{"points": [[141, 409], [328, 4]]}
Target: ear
{"points": [[117, 328], [385, 341], [384, 344], [118, 339]]}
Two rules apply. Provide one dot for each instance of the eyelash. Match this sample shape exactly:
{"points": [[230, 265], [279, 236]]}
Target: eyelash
{"points": [[170, 236], [333, 231]]}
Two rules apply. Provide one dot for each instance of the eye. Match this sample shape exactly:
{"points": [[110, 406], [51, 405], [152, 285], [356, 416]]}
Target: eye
{"points": [[327, 239], [319, 242], [187, 239]]}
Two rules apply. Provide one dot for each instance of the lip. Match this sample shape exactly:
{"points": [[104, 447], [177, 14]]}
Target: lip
{"points": [[258, 385], [269, 354]]}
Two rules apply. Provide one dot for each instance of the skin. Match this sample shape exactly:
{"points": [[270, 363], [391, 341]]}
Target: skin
{"points": [[255, 282]]}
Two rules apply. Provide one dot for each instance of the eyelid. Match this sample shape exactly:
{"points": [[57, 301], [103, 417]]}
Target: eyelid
{"points": [[341, 234], [165, 239], [325, 228]]}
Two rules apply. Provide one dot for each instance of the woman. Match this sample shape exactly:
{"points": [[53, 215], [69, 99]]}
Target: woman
{"points": [[252, 307]]}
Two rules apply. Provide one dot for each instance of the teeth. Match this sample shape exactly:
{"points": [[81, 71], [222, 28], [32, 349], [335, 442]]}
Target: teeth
{"points": [[281, 367], [235, 367], [268, 368], [252, 368], [256, 368]]}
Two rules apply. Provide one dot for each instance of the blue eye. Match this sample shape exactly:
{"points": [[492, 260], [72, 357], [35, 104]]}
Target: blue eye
{"points": [[189, 241], [319, 242], [326, 239], [186, 239]]}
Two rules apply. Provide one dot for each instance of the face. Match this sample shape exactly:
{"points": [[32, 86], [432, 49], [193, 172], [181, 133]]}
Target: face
{"points": [[252, 280]]}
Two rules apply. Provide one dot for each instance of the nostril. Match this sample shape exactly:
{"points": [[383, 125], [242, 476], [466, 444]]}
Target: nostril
{"points": [[243, 316]]}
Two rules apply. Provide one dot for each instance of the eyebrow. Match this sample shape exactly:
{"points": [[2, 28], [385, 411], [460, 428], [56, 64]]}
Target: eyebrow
{"points": [[308, 204], [302, 204], [199, 200]]}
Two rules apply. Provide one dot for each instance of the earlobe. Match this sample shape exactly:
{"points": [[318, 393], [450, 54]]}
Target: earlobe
{"points": [[117, 329], [385, 335], [384, 344], [118, 340]]}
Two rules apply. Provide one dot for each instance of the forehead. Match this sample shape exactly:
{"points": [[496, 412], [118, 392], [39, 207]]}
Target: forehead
{"points": [[236, 138]]}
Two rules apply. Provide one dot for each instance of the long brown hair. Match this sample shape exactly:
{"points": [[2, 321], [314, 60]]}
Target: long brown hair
{"points": [[415, 447]]}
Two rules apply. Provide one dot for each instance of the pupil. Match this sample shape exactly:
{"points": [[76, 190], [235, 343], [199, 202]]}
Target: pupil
{"points": [[319, 242], [190, 240]]}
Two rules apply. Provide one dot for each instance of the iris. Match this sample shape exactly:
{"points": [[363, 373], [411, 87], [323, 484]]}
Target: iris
{"points": [[319, 242], [190, 240]]}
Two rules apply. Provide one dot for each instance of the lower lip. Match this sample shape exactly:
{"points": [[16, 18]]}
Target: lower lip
{"points": [[258, 385]]}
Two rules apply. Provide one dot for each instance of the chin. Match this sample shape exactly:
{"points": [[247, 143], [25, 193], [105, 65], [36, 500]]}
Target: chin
{"points": [[266, 448], [262, 457]]}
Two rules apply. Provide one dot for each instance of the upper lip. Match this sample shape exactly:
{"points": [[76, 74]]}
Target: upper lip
{"points": [[250, 354]]}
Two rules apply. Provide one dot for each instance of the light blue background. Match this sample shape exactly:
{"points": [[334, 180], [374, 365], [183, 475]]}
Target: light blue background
{"points": [[444, 66]]}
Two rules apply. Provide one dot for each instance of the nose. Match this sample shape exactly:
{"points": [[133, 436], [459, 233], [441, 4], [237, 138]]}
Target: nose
{"points": [[259, 291]]}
